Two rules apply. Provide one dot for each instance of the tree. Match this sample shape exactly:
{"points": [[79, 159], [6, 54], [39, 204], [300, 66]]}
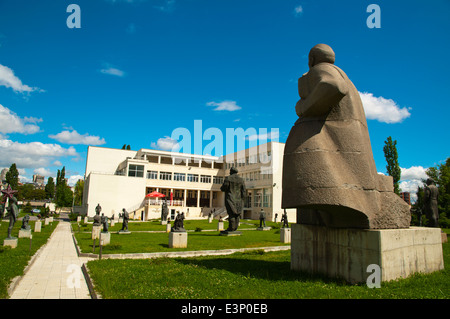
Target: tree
{"points": [[12, 177], [392, 167], [50, 188], [79, 187], [63, 193], [441, 175]]}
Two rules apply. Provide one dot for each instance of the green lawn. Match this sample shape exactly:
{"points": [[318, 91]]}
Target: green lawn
{"points": [[14, 261], [254, 275]]}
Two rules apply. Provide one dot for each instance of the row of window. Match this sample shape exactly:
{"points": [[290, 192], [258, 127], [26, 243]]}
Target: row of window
{"points": [[182, 177], [263, 158]]}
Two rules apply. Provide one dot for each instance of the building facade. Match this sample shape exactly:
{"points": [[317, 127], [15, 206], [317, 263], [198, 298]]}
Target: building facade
{"points": [[118, 179]]}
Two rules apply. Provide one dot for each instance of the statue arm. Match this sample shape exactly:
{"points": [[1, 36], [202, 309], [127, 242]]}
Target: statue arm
{"points": [[329, 89]]}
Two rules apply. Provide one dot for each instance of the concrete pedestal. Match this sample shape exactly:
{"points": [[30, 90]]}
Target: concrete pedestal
{"points": [[11, 242], [112, 222], [37, 226], [86, 219], [285, 235], [178, 240], [47, 221], [50, 219], [78, 219], [105, 238], [264, 228], [220, 226], [210, 219], [347, 253], [168, 227], [444, 237], [24, 233], [96, 231]]}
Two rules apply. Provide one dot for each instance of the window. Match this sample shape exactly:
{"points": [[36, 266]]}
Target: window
{"points": [[267, 198], [218, 180], [205, 179], [257, 202], [179, 177], [165, 176], [136, 170], [192, 178], [152, 174]]}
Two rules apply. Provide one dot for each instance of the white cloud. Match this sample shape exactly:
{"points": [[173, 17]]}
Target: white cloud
{"points": [[32, 155], [298, 10], [166, 144], [265, 136], [43, 171], [10, 80], [72, 180], [112, 71], [74, 137], [225, 106], [10, 122], [414, 172], [383, 110]]}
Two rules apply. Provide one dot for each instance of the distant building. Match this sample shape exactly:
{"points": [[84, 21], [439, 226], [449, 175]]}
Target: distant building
{"points": [[38, 180], [3, 174], [406, 197]]}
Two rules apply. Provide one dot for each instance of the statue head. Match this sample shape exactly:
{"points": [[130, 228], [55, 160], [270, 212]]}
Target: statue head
{"points": [[321, 53], [430, 181], [233, 170]]}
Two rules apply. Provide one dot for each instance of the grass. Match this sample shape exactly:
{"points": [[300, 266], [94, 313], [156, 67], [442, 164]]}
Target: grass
{"points": [[255, 275], [144, 242], [14, 261]]}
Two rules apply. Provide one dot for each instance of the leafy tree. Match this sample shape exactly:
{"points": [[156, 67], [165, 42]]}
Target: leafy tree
{"points": [[63, 193], [392, 167], [79, 187], [12, 177], [50, 188], [441, 175]]}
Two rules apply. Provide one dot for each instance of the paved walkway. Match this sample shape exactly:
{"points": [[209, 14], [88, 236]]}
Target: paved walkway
{"points": [[56, 270]]}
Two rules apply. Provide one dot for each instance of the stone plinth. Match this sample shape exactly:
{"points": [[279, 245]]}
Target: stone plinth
{"points": [[220, 226], [24, 233], [210, 219], [264, 228], [168, 227], [347, 253], [37, 226], [124, 232], [11, 242], [230, 233], [112, 222], [285, 235], [178, 240], [50, 219], [444, 237], [163, 222], [96, 231], [86, 219], [47, 221], [78, 219], [105, 238]]}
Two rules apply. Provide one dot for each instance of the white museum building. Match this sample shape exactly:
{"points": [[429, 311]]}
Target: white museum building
{"points": [[117, 179]]}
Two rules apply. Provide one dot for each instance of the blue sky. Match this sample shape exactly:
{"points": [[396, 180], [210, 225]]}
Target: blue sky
{"points": [[138, 69]]}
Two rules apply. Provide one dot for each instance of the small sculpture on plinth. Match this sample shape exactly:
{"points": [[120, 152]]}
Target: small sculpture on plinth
{"points": [[164, 211], [178, 224], [25, 221], [284, 220], [262, 218], [104, 221], [13, 211], [97, 217], [125, 217]]}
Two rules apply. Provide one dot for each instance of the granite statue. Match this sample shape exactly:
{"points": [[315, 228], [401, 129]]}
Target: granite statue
{"points": [[178, 224], [329, 174], [430, 205], [284, 220], [104, 222], [235, 192], [125, 217]]}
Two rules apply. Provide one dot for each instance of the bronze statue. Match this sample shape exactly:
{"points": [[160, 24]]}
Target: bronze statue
{"points": [[235, 192], [430, 206], [164, 211], [125, 217], [104, 221], [284, 220], [178, 224], [13, 211], [25, 221], [329, 174], [97, 218], [262, 218]]}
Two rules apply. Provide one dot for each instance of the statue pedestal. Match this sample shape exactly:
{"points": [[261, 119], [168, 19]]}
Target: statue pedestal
{"points": [[24, 233], [86, 219], [230, 233], [163, 222], [347, 253], [11, 242], [96, 231], [37, 226], [264, 228], [220, 226], [78, 219], [210, 218], [105, 238], [178, 240], [168, 228], [285, 235], [124, 232], [444, 237], [47, 221], [112, 222]]}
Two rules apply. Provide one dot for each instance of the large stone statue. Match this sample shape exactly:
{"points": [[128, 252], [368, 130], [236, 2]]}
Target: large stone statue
{"points": [[164, 211], [329, 174], [430, 206], [235, 192], [13, 211]]}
